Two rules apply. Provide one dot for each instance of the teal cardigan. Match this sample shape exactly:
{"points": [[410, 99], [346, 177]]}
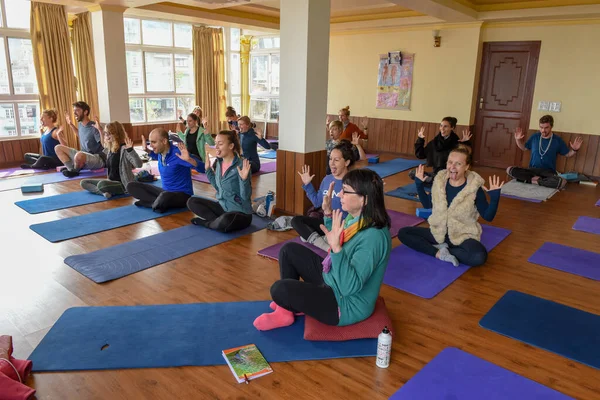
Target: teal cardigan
{"points": [[357, 271], [233, 193], [202, 138]]}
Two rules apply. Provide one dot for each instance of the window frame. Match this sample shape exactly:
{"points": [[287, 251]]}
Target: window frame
{"points": [[173, 51], [229, 78], [263, 95]]}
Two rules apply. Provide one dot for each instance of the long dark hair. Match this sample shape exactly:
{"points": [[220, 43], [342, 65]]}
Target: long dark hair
{"points": [[367, 183], [347, 150]]}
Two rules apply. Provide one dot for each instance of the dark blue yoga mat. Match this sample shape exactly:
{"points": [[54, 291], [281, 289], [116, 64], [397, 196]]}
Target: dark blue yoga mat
{"points": [[551, 326], [408, 192], [568, 259], [176, 335], [456, 375], [131, 257], [66, 200], [81, 225], [53, 177], [394, 166], [270, 154]]}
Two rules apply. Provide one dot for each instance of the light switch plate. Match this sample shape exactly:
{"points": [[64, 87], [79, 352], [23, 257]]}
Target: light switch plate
{"points": [[555, 106], [543, 106]]}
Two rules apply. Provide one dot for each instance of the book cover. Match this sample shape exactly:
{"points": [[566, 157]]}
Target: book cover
{"points": [[246, 363]]}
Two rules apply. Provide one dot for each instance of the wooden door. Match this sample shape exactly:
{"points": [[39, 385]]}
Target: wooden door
{"points": [[506, 84]]}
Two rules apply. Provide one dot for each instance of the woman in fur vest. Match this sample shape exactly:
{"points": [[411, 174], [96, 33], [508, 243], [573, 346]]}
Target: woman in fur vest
{"points": [[457, 199]]}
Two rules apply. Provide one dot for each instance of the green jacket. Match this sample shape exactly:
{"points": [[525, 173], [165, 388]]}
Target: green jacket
{"points": [[233, 193], [200, 140], [357, 271]]}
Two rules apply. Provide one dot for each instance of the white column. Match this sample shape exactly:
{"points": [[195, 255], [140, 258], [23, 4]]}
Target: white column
{"points": [[304, 55], [111, 69]]}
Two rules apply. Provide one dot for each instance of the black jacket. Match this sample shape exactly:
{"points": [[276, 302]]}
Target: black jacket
{"points": [[437, 150]]}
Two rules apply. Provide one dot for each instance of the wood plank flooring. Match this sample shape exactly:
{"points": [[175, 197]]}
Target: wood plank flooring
{"points": [[36, 288]]}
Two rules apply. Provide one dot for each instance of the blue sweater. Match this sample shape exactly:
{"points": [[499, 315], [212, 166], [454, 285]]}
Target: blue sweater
{"points": [[176, 174], [317, 197], [249, 141], [487, 211], [233, 193]]}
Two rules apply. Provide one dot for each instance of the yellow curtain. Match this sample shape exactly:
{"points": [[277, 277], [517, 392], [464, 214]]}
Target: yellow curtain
{"points": [[245, 68], [52, 61], [209, 73], [85, 68]]}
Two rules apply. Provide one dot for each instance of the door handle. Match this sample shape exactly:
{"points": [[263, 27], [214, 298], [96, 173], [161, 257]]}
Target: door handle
{"points": [[481, 103]]}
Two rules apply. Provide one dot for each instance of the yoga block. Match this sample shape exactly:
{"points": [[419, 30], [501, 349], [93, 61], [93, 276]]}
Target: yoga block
{"points": [[367, 329], [424, 212], [373, 160], [35, 188], [569, 175]]}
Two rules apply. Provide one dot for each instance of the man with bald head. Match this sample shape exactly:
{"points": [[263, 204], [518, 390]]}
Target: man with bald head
{"points": [[174, 165]]}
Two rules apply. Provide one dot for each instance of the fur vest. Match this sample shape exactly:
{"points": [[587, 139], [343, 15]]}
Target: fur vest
{"points": [[459, 220]]}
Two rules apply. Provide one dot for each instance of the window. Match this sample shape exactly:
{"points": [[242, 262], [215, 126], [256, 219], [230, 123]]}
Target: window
{"points": [[234, 80], [264, 78], [160, 70], [19, 105]]}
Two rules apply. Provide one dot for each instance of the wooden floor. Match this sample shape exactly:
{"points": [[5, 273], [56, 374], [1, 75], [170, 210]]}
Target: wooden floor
{"points": [[36, 288]]}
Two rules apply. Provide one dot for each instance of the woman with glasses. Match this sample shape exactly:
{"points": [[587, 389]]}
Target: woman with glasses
{"points": [[342, 288]]}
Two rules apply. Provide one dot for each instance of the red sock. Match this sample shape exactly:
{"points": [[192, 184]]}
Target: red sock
{"points": [[274, 306], [277, 319]]}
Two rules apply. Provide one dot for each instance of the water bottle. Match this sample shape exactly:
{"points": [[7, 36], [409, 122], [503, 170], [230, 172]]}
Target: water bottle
{"points": [[269, 200], [384, 348]]}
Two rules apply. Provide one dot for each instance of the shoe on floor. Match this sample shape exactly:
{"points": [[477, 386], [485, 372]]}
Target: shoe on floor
{"points": [[107, 195], [25, 166], [70, 174]]}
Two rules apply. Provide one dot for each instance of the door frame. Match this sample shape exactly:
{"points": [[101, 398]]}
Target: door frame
{"points": [[534, 46]]}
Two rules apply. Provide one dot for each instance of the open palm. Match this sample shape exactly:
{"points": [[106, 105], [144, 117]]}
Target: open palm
{"points": [[334, 235]]}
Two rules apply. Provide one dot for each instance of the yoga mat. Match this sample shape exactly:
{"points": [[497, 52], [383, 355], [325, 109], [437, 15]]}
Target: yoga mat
{"points": [[526, 191], [271, 154], [370, 155], [17, 171], [588, 224], [53, 177], [176, 335], [598, 203], [408, 192], [82, 225], [399, 220], [457, 375], [67, 200], [273, 140], [563, 330], [128, 258], [394, 166], [426, 276], [265, 168], [568, 259]]}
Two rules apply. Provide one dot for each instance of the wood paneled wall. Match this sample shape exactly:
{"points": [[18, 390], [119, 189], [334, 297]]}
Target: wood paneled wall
{"points": [[12, 151], [291, 198]]}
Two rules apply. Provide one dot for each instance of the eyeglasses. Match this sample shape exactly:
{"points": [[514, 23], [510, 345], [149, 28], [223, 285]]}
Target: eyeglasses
{"points": [[343, 191]]}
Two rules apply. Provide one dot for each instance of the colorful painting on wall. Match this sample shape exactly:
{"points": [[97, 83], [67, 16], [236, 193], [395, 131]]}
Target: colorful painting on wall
{"points": [[394, 80]]}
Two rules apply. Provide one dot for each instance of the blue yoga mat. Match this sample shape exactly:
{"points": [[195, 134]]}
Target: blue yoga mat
{"points": [[66, 200], [394, 166], [271, 154], [408, 192], [81, 225], [568, 259], [456, 375], [551, 326], [131, 257], [53, 177], [176, 335]]}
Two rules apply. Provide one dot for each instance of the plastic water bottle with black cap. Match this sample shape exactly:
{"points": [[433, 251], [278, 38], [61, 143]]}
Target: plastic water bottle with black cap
{"points": [[384, 348]]}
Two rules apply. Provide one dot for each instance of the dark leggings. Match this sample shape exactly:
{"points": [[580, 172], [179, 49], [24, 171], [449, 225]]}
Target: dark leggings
{"points": [[216, 218], [157, 199], [312, 296], [254, 166], [37, 161], [470, 252], [306, 226], [548, 178]]}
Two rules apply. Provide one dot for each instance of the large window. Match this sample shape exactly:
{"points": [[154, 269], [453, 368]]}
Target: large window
{"points": [[235, 74], [160, 72], [264, 78], [19, 105]]}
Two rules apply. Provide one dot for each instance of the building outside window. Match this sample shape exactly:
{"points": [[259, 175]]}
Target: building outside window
{"points": [[264, 78]]}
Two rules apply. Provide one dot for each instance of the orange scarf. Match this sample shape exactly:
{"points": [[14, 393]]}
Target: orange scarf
{"points": [[347, 234]]}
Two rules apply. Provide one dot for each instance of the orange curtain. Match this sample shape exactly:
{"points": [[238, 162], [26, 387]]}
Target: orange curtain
{"points": [[85, 67]]}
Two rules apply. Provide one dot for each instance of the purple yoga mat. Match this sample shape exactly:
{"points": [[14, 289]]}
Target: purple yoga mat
{"points": [[598, 203], [426, 276], [9, 172], [456, 375], [587, 224], [265, 168], [399, 220], [370, 155], [521, 198], [568, 259]]}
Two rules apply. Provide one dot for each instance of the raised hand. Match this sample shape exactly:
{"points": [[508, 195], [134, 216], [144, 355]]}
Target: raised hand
{"points": [[421, 133], [128, 142], [326, 206], [205, 124], [185, 154], [245, 170], [259, 133], [333, 235], [68, 118], [144, 145], [207, 151], [305, 175], [97, 121], [494, 183], [466, 136], [577, 144], [355, 139], [420, 173], [327, 121], [519, 135]]}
